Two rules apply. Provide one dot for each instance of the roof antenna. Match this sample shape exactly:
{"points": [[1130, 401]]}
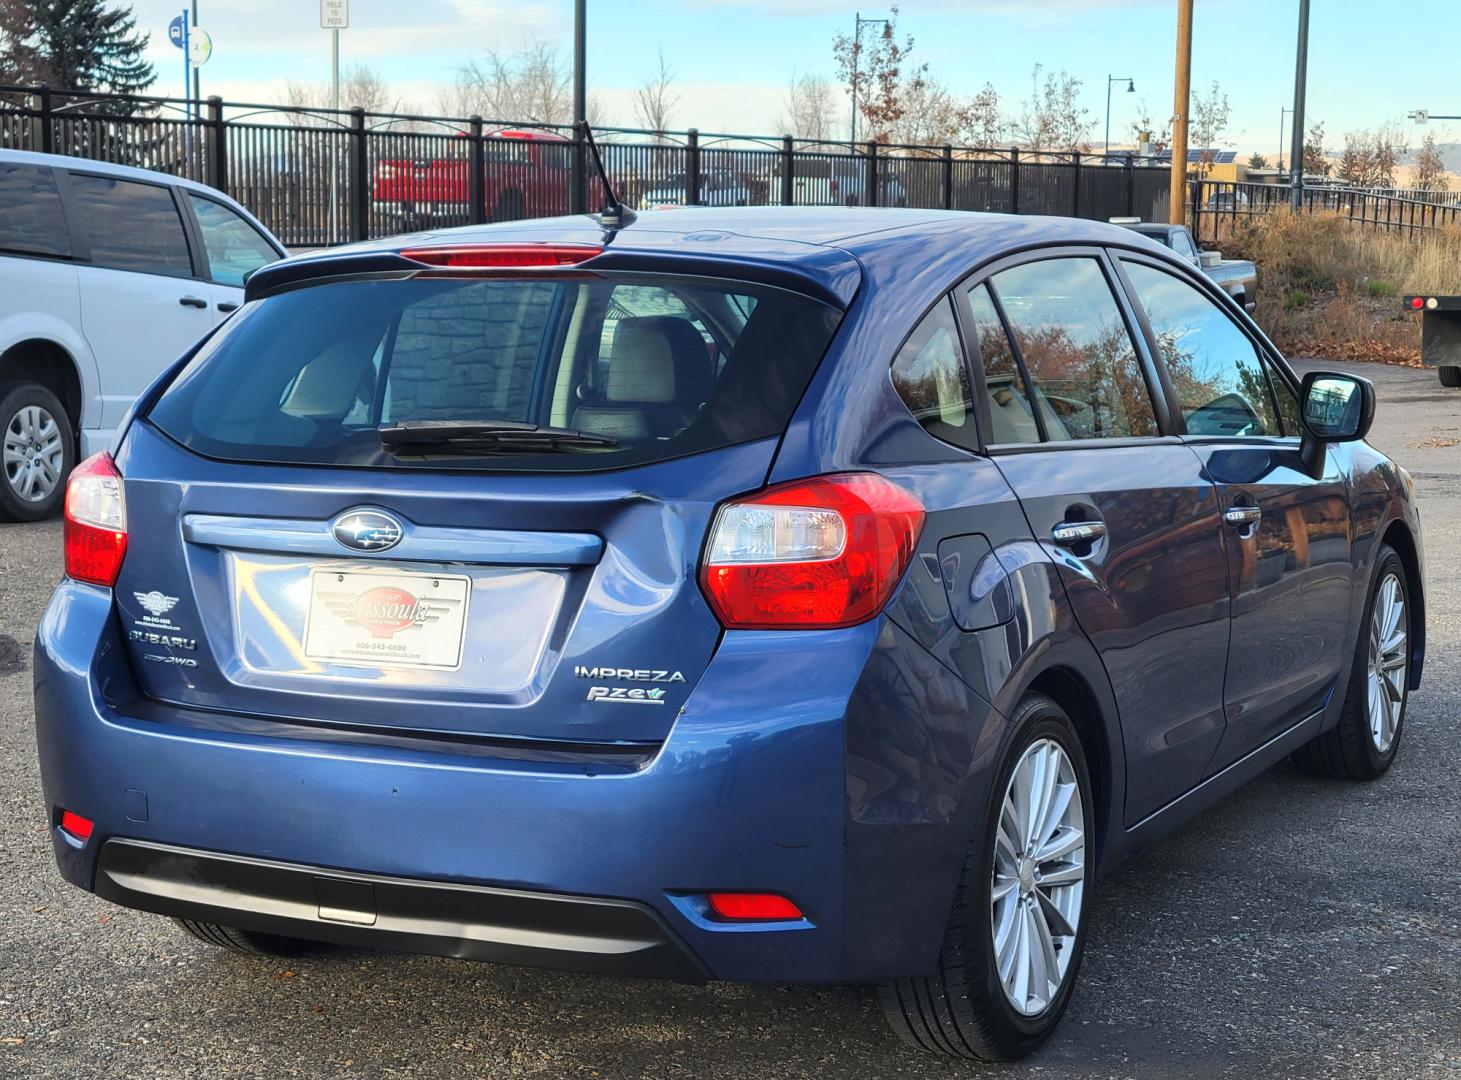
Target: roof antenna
{"points": [[615, 214]]}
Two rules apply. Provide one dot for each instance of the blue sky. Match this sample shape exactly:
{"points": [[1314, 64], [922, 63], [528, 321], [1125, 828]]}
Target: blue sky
{"points": [[733, 58]]}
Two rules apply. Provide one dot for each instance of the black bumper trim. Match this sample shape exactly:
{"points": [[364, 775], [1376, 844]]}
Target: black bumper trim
{"points": [[471, 922]]}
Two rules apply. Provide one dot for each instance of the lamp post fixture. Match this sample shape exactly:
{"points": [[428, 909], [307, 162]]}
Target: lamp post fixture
{"points": [[857, 26], [1130, 89]]}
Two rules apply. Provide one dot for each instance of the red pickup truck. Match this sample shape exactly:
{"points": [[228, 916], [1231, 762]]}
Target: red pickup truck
{"points": [[525, 173]]}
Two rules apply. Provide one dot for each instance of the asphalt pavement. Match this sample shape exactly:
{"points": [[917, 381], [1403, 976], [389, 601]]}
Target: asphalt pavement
{"points": [[1301, 928]]}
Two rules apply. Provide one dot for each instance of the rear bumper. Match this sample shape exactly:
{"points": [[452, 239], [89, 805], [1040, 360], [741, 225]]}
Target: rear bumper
{"points": [[751, 791], [471, 922]]}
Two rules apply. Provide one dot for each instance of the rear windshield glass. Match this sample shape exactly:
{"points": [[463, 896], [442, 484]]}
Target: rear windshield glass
{"points": [[641, 367]]}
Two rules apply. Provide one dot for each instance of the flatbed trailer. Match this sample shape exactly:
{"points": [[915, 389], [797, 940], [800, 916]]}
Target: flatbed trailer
{"points": [[1440, 334]]}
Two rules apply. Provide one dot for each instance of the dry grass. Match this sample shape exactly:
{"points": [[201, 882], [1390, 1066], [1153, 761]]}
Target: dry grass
{"points": [[1331, 288]]}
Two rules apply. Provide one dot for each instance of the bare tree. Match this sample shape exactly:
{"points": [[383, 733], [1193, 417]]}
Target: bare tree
{"points": [[882, 77], [361, 87], [1052, 118], [533, 85], [1430, 167], [1210, 114], [656, 96], [1316, 161], [1370, 156], [981, 122], [1158, 135], [807, 110]]}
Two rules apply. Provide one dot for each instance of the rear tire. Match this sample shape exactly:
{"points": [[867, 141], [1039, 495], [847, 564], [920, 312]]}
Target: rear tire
{"points": [[246, 941], [1450, 375], [1363, 744], [964, 1008], [37, 452]]}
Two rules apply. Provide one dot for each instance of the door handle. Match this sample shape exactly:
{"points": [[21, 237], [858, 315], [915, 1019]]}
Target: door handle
{"points": [[192, 301], [227, 306], [1072, 533], [1241, 516]]}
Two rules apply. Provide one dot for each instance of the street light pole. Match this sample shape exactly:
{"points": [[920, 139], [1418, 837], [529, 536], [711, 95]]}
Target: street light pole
{"points": [[197, 81], [1130, 89], [1281, 114], [858, 23], [1301, 77]]}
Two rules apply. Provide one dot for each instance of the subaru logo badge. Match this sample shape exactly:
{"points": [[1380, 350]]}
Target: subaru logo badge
{"points": [[367, 530]]}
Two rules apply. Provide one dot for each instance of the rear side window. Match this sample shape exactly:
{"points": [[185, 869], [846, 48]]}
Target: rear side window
{"points": [[1222, 388], [132, 226], [31, 219], [1012, 419], [309, 376], [233, 246], [1076, 349], [930, 376]]}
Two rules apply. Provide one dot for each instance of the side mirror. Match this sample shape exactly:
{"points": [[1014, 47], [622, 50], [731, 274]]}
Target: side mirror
{"points": [[1336, 408]]}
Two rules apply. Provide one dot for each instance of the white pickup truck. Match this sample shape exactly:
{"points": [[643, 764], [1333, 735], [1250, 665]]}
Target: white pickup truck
{"points": [[107, 275], [1238, 277]]}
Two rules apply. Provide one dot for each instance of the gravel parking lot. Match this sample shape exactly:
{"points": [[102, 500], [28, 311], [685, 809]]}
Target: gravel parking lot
{"points": [[1302, 928]]}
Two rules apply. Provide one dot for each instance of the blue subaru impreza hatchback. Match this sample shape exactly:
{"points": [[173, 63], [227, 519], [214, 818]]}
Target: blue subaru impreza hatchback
{"points": [[741, 594]]}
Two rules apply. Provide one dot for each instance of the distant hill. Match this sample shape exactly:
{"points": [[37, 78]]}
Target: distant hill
{"points": [[1450, 152]]}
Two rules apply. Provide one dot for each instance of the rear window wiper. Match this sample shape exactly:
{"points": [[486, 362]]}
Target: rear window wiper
{"points": [[486, 436]]}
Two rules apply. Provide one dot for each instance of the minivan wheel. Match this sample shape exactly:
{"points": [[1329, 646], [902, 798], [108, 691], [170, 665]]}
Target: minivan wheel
{"points": [[246, 941], [1013, 943], [1450, 375], [1363, 744], [37, 452]]}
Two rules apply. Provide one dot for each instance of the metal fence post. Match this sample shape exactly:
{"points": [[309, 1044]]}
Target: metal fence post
{"points": [[948, 177], [1195, 190], [48, 137], [476, 175], [1131, 187], [1014, 179], [788, 159], [1075, 184], [692, 167], [216, 162], [355, 184], [870, 180]]}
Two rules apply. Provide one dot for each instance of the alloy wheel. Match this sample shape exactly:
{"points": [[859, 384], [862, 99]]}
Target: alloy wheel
{"points": [[1039, 877], [1389, 662], [33, 455]]}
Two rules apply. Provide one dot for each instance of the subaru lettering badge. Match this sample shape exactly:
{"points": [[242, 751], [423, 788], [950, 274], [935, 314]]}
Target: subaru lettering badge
{"points": [[367, 530]]}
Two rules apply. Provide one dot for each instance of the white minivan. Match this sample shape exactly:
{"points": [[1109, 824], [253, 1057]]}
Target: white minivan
{"points": [[107, 275]]}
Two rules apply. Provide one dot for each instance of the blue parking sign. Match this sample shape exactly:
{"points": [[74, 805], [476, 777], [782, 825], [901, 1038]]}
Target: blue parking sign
{"points": [[175, 31]]}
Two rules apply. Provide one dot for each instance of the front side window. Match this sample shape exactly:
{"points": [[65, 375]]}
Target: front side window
{"points": [[320, 375], [132, 226], [930, 376], [31, 219], [234, 247], [1222, 388], [1076, 349]]}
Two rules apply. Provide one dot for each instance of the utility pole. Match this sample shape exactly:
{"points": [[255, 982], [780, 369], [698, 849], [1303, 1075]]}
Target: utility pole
{"points": [[577, 175], [197, 81], [1301, 78], [1282, 115], [1181, 98]]}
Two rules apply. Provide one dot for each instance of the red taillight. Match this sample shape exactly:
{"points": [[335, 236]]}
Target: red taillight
{"points": [[95, 526], [76, 825], [752, 905], [819, 553], [1417, 302], [503, 256]]}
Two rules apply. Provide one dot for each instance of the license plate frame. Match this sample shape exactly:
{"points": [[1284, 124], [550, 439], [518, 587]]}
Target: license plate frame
{"points": [[386, 619]]}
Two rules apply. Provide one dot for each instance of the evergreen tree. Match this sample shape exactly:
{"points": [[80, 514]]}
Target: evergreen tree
{"points": [[88, 45]]}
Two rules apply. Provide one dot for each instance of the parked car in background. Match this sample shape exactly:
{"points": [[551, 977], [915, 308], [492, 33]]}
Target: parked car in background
{"points": [[776, 594], [1237, 277], [839, 180], [526, 173], [107, 275], [718, 187]]}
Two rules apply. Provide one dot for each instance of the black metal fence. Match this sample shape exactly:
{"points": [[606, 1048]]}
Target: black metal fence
{"points": [[320, 176], [1216, 204]]}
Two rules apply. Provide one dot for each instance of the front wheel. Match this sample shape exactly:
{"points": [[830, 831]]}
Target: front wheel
{"points": [[245, 941], [1362, 745], [1450, 375], [1013, 943]]}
